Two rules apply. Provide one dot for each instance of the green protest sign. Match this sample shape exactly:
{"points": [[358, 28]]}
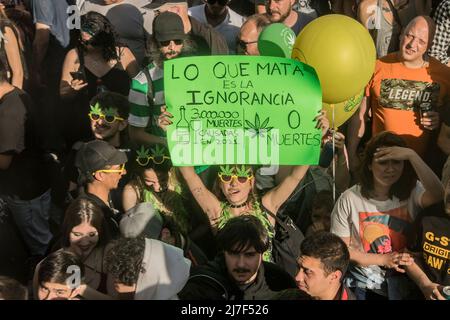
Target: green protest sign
{"points": [[242, 110]]}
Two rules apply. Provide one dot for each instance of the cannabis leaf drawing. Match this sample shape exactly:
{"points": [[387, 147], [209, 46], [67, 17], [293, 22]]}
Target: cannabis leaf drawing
{"points": [[258, 128], [96, 109], [227, 171]]}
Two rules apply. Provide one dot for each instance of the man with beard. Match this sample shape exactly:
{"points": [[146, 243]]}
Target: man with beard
{"points": [[282, 11], [218, 15], [238, 272], [147, 93]]}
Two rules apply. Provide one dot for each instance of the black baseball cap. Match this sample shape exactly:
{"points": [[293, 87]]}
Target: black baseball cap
{"points": [[96, 155], [168, 26], [159, 3]]}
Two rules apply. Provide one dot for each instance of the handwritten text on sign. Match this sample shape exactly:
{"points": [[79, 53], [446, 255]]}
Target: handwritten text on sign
{"points": [[242, 109]]}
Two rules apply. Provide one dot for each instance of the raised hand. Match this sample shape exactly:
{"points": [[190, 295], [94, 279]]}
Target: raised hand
{"points": [[393, 153]]}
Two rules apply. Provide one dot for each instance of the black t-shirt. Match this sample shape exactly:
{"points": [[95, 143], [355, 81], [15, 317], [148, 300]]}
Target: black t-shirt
{"points": [[27, 176], [434, 243]]}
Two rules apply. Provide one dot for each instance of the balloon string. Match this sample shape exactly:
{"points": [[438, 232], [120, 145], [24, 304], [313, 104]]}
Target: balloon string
{"points": [[334, 158]]}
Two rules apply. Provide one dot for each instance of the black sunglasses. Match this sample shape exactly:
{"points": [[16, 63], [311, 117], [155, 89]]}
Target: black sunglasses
{"points": [[221, 2], [167, 42]]}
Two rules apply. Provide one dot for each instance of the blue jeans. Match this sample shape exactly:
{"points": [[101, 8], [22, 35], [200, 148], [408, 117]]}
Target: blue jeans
{"points": [[31, 217]]}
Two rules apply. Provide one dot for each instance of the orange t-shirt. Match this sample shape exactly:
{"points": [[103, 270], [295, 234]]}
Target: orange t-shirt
{"points": [[396, 93]]}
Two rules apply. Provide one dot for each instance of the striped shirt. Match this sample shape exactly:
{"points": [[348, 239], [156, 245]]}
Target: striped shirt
{"points": [[142, 113]]}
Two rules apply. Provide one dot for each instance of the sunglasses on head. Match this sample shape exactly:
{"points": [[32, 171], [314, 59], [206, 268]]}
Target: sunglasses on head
{"points": [[221, 2], [143, 161], [226, 178], [107, 118], [167, 42]]}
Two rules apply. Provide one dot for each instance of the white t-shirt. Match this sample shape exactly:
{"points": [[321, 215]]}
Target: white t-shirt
{"points": [[229, 28], [374, 227], [131, 21]]}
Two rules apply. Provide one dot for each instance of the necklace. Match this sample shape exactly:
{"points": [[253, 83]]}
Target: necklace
{"points": [[235, 206]]}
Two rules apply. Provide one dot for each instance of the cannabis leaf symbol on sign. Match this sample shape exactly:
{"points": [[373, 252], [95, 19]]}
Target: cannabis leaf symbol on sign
{"points": [[258, 128]]}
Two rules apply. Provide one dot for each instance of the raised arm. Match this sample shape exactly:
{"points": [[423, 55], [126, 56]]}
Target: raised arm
{"points": [[205, 198], [434, 191], [273, 199]]}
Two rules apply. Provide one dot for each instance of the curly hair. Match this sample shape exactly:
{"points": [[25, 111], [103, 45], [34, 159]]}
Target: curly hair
{"points": [[103, 35], [124, 260], [11, 289], [403, 187]]}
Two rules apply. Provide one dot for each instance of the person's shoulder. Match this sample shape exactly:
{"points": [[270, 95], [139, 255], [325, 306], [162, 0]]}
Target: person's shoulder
{"points": [[352, 192], [196, 11], [206, 282], [305, 17], [235, 17]]}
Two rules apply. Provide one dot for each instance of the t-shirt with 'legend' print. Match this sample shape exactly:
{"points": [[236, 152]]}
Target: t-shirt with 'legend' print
{"points": [[397, 94]]}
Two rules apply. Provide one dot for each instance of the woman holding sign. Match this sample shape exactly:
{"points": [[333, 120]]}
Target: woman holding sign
{"points": [[234, 192]]}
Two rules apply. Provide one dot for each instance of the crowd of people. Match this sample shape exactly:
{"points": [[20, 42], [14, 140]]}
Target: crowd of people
{"points": [[91, 206]]}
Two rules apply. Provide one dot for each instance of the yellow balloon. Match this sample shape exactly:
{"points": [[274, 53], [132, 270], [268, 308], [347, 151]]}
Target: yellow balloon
{"points": [[342, 52], [342, 111]]}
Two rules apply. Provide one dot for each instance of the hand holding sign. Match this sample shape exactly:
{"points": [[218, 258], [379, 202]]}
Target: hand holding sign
{"points": [[341, 51], [242, 110], [164, 118]]}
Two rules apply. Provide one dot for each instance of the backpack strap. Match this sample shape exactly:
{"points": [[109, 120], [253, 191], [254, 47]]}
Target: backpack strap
{"points": [[283, 224], [150, 87]]}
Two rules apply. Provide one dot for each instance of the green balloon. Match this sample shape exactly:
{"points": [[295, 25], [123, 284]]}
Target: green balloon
{"points": [[276, 40]]}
